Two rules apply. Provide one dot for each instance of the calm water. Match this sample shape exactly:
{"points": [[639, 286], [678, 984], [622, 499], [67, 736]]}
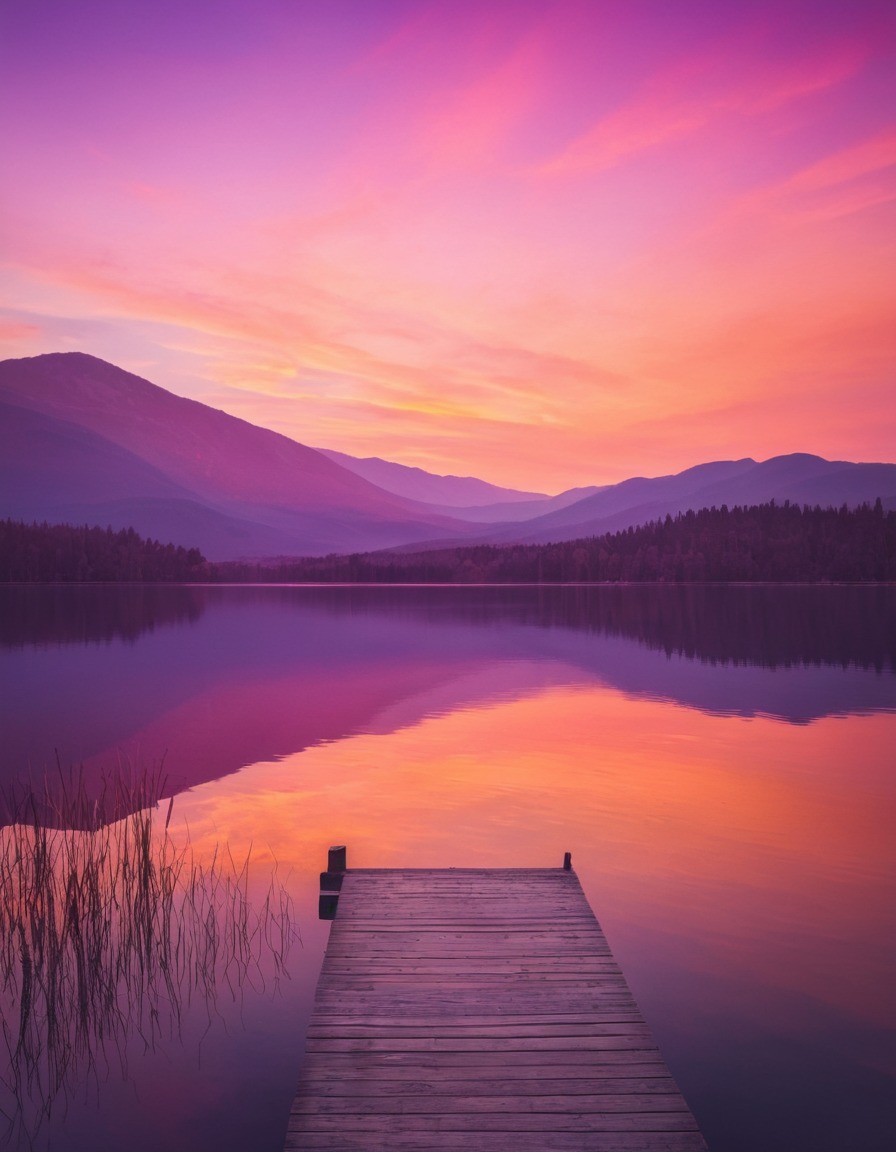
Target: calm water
{"points": [[720, 763]]}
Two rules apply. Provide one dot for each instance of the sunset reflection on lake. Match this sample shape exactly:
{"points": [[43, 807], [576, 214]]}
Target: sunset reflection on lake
{"points": [[730, 821]]}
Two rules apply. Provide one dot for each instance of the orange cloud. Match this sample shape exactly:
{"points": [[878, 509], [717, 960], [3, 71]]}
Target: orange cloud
{"points": [[281, 356], [14, 331]]}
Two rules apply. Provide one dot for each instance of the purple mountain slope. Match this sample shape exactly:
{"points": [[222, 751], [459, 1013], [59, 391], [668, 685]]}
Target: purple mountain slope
{"points": [[640, 490], [463, 497], [55, 471], [517, 510], [87, 442], [463, 493], [799, 477], [82, 441], [44, 460], [209, 452]]}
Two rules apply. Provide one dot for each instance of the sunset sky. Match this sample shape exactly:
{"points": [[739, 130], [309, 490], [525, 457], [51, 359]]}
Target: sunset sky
{"points": [[545, 243]]}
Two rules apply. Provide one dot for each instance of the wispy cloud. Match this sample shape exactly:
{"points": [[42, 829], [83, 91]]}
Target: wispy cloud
{"points": [[467, 125], [350, 345], [14, 331], [686, 99], [839, 184], [488, 238]]}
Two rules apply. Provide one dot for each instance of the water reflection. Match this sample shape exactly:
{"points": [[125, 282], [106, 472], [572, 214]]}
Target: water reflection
{"points": [[767, 626], [718, 760], [219, 678], [743, 871], [91, 614]]}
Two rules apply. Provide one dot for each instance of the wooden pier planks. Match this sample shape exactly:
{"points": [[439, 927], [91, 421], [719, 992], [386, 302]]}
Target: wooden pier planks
{"points": [[478, 1009]]}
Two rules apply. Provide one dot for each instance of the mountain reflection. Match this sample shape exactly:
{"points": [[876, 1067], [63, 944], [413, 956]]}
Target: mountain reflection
{"points": [[716, 758], [209, 680]]}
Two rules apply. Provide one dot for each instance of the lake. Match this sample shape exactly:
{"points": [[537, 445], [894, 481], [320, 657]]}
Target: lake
{"points": [[719, 761]]}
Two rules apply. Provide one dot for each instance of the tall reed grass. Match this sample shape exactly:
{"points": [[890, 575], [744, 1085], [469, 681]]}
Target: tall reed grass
{"points": [[111, 930]]}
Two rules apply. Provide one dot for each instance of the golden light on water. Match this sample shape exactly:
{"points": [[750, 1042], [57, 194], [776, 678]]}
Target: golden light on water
{"points": [[710, 828]]}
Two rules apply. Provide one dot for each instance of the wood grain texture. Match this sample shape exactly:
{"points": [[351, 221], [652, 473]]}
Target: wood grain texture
{"points": [[461, 1010]]}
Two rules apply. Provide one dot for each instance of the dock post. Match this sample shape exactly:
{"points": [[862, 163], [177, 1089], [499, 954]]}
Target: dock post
{"points": [[331, 883], [567, 861]]}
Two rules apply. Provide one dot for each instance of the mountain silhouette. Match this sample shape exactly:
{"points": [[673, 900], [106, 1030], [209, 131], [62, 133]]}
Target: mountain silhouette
{"points": [[798, 477], [460, 493], [85, 442]]}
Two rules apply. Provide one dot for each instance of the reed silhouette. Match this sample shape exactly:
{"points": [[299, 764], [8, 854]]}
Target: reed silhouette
{"points": [[110, 930]]}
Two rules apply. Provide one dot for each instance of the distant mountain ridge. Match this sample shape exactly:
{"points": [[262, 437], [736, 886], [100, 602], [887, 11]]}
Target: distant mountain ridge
{"points": [[85, 442], [799, 477], [417, 484], [463, 496]]}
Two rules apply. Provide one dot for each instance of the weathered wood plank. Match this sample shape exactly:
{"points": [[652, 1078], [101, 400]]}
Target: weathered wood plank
{"points": [[349, 1141], [572, 1045], [447, 1020], [452, 1030], [442, 1104], [479, 1005], [542, 1082], [358, 1064], [511, 1120]]}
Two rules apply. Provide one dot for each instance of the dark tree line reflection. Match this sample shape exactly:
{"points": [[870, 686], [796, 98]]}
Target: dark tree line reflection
{"points": [[92, 614], [767, 625]]}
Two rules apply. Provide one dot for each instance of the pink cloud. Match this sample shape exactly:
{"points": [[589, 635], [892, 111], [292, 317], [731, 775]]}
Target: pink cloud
{"points": [[152, 195], [685, 99], [338, 232], [469, 124], [841, 183], [17, 331]]}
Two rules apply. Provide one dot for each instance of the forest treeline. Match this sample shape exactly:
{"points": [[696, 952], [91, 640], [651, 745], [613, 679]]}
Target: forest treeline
{"points": [[766, 542], [71, 553], [763, 543]]}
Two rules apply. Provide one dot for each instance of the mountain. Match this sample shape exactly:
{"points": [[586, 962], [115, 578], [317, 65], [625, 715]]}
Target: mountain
{"points": [[456, 492], [513, 511], [590, 511], [799, 477], [458, 496], [82, 441], [85, 441]]}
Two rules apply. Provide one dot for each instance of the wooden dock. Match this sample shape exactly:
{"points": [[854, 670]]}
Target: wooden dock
{"points": [[478, 1009]]}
